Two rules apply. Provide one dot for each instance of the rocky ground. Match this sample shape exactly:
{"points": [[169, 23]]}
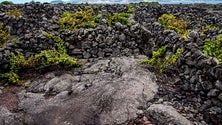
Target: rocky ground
{"points": [[113, 87]]}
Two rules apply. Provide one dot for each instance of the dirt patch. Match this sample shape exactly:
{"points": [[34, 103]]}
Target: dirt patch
{"points": [[9, 98]]}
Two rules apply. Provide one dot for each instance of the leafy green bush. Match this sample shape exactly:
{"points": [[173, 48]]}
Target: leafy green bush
{"points": [[156, 59], [79, 19], [15, 12], [118, 17], [169, 21], [209, 26], [4, 36], [159, 61], [57, 57], [213, 48], [6, 3], [174, 57], [131, 8]]}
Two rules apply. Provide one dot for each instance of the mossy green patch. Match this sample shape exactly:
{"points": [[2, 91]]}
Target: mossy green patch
{"points": [[83, 18], [162, 61], [214, 48], [169, 21], [118, 17], [15, 12], [4, 36]]}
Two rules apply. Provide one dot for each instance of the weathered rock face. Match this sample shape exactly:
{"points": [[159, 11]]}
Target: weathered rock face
{"points": [[110, 91], [8, 118], [167, 115]]}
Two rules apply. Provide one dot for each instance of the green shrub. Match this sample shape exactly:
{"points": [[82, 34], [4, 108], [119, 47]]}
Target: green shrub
{"points": [[15, 12], [159, 61], [170, 60], [118, 17], [213, 48], [6, 3], [131, 8], [169, 21], [57, 57], [156, 59], [209, 26], [79, 19], [4, 36]]}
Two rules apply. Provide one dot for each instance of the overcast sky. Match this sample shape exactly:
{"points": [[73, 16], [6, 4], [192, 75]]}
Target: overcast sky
{"points": [[24, 1]]}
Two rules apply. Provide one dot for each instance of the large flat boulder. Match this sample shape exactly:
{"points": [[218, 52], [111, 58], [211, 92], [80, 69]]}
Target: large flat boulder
{"points": [[108, 91]]}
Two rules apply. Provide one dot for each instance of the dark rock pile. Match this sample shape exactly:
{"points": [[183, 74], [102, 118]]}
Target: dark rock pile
{"points": [[196, 78]]}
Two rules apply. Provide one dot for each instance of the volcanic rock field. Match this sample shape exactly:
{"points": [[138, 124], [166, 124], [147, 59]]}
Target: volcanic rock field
{"points": [[111, 85]]}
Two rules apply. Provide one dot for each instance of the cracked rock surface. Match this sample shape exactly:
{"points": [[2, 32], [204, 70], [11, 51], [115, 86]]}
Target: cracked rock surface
{"points": [[108, 91]]}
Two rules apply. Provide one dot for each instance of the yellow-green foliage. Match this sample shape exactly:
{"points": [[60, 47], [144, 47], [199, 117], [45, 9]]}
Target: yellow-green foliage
{"points": [[4, 36], [15, 12], [131, 8], [159, 61], [79, 19], [57, 57], [156, 59], [118, 17], [169, 21], [173, 58], [213, 48], [208, 26]]}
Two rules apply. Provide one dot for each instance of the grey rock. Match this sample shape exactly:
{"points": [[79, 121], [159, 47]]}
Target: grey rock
{"points": [[213, 93], [8, 118], [110, 94], [220, 96], [122, 37], [86, 55], [219, 85], [76, 52], [193, 35], [59, 84], [165, 114]]}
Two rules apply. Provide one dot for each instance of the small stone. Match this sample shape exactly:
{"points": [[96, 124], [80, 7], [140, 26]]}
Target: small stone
{"points": [[86, 55], [71, 47], [77, 51], [213, 93], [219, 84], [220, 96]]}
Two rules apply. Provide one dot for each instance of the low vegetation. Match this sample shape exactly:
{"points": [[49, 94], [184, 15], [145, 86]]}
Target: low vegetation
{"points": [[4, 35], [169, 21], [118, 17], [57, 57], [162, 61], [209, 26], [15, 12], [131, 8], [83, 18], [213, 48]]}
